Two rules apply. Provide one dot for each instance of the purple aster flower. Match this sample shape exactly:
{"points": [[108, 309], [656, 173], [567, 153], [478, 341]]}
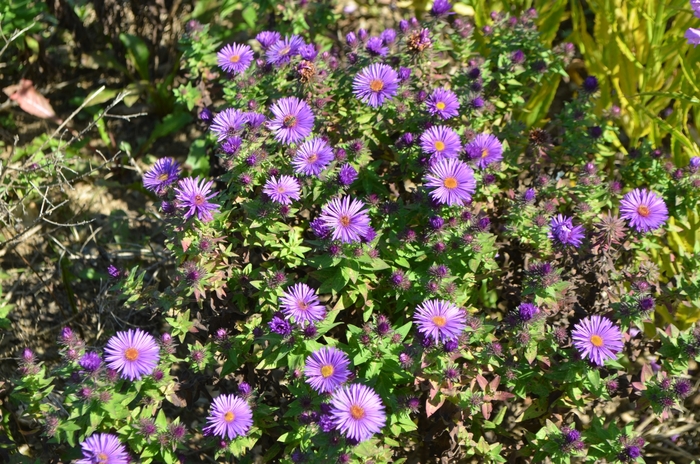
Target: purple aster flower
{"points": [[253, 119], [693, 36], [300, 302], [347, 175], [563, 231], [695, 5], [133, 353], [312, 157], [346, 218], [375, 83], [280, 326], [388, 36], [90, 361], [326, 369], [206, 115], [102, 448], [114, 272], [452, 180], [268, 38], [351, 39], [694, 164], [526, 311], [358, 412], [164, 172], [590, 84], [282, 51], [440, 8], [228, 123], [644, 210], [308, 52], [375, 47], [293, 120], [404, 74], [193, 195], [597, 339], [440, 142], [229, 417], [362, 34], [486, 149], [282, 190], [517, 57], [440, 320], [444, 103], [235, 58], [231, 145], [319, 228], [529, 195]]}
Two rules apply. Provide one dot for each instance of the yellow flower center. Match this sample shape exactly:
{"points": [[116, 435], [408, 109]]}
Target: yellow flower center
{"points": [[285, 50], [440, 105], [439, 145], [313, 157], [235, 59], [484, 153], [439, 321], [643, 210], [450, 183], [597, 341], [344, 221], [198, 200], [302, 305], [281, 189], [357, 412], [102, 458], [163, 177], [327, 371], [376, 85], [131, 354], [229, 416]]}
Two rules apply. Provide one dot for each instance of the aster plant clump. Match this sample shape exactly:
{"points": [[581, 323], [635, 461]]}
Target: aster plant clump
{"points": [[393, 241]]}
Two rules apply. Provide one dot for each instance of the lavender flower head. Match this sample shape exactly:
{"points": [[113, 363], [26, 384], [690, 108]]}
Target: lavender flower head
{"points": [[375, 47], [165, 172], [194, 195], [440, 142], [346, 218], [375, 84], [563, 231], [133, 353], [440, 8], [312, 157], [229, 417], [358, 412], [101, 448], [526, 311], [327, 369], [443, 103], [597, 339], [228, 123], [440, 320], [452, 182], [235, 58], [282, 190], [282, 51], [301, 303], [90, 361], [347, 175], [293, 120], [267, 38], [644, 210], [486, 149]]}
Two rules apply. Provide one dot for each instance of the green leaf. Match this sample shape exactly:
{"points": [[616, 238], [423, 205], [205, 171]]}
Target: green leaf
{"points": [[137, 50], [198, 158]]}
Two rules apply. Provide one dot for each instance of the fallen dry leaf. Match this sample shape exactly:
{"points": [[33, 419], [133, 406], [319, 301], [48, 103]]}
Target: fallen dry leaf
{"points": [[30, 100]]}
